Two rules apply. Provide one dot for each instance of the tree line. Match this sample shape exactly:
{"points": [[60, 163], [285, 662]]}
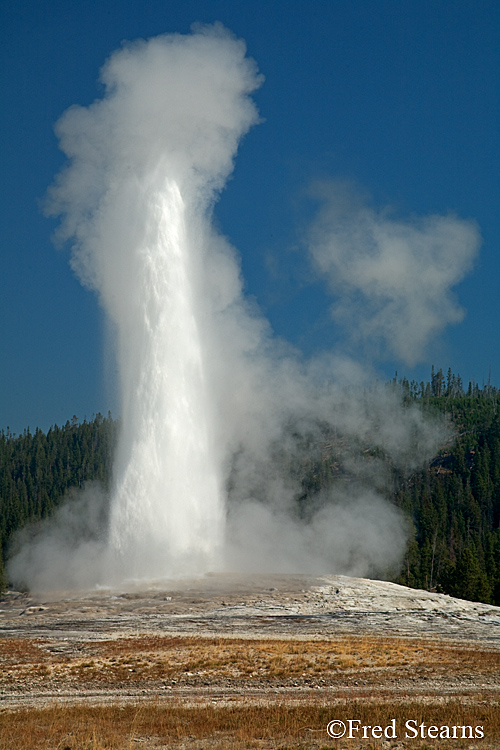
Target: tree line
{"points": [[37, 469], [451, 505]]}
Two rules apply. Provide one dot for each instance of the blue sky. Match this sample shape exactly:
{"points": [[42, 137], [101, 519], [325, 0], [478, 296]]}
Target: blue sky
{"points": [[400, 99]]}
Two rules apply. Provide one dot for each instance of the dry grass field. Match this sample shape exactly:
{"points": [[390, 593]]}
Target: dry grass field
{"points": [[156, 661], [192, 692], [234, 728]]}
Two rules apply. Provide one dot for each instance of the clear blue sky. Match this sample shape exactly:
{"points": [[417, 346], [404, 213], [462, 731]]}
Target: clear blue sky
{"points": [[399, 97]]}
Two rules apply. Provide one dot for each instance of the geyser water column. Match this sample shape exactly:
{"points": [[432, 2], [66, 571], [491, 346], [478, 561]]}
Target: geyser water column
{"points": [[147, 162], [168, 510]]}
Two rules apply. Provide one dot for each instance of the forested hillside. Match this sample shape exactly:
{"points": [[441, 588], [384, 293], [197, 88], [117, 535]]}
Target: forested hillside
{"points": [[454, 502], [37, 469], [451, 505]]}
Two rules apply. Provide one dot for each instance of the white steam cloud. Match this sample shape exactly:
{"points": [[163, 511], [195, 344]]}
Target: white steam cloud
{"points": [[220, 422], [393, 277]]}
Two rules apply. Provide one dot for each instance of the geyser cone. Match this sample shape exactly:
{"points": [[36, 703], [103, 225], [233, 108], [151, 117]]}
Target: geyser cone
{"points": [[148, 161]]}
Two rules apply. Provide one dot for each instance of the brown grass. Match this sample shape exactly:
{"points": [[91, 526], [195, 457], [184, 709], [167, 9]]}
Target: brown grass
{"points": [[376, 666], [277, 726], [152, 658]]}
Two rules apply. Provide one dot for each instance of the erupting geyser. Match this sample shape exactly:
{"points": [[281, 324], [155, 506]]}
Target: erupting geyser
{"points": [[168, 509], [217, 416], [147, 162]]}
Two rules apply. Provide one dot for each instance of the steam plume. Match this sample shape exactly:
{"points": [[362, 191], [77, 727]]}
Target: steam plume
{"points": [[392, 277], [215, 412], [147, 163]]}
